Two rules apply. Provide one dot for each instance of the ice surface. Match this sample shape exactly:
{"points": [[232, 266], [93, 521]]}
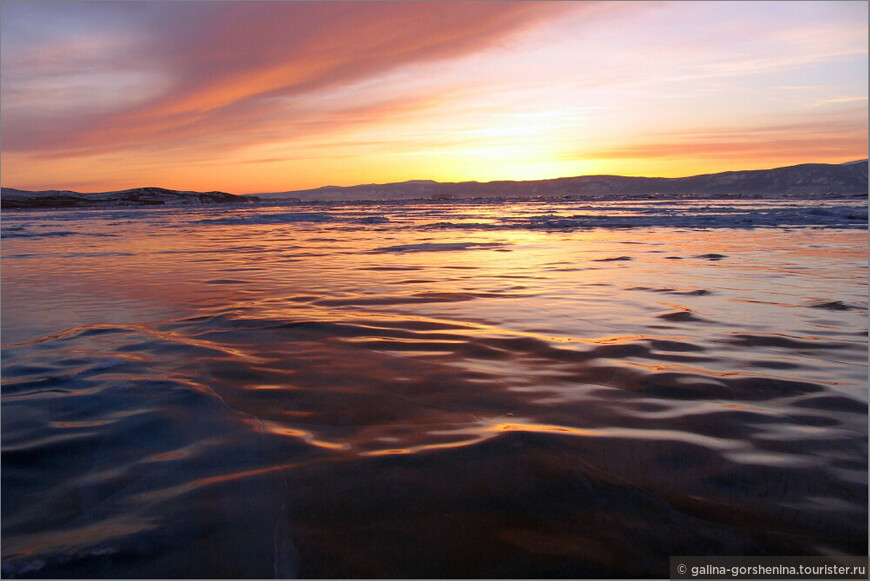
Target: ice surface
{"points": [[437, 247]]}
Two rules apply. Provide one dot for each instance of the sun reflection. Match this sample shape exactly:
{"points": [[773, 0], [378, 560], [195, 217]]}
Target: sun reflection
{"points": [[310, 439], [307, 437], [543, 428], [427, 447], [489, 429]]}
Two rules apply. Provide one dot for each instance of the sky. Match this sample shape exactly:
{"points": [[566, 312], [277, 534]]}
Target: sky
{"points": [[249, 97]]}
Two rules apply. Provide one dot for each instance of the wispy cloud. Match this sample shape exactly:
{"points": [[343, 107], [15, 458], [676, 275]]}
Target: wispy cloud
{"points": [[828, 139], [838, 100], [274, 95], [231, 66]]}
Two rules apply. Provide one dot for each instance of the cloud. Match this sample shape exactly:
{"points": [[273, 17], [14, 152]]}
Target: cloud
{"points": [[838, 100], [821, 139], [208, 67], [195, 90]]}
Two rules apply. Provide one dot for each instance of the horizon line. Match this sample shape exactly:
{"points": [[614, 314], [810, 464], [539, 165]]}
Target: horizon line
{"points": [[373, 184]]}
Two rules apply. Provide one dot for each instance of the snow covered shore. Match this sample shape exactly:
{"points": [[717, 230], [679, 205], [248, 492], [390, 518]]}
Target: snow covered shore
{"points": [[23, 199]]}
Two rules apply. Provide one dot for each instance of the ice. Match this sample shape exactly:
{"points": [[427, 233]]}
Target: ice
{"points": [[437, 247], [261, 219]]}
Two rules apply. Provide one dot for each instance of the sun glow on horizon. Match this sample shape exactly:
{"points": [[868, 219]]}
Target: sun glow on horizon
{"points": [[253, 97]]}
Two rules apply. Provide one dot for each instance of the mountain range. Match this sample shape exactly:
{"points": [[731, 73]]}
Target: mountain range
{"points": [[805, 180], [836, 180], [11, 198]]}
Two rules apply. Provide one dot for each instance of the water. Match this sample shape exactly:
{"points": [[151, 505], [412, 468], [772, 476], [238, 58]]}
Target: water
{"points": [[432, 389]]}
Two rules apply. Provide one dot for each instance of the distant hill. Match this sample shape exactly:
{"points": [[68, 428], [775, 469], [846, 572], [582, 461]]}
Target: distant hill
{"points": [[11, 198], [809, 179], [820, 179]]}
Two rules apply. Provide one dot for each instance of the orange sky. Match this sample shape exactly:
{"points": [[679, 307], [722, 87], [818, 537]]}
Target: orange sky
{"points": [[250, 97]]}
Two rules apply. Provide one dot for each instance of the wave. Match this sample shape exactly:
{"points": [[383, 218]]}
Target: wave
{"points": [[332, 430], [22, 232], [282, 394], [438, 247]]}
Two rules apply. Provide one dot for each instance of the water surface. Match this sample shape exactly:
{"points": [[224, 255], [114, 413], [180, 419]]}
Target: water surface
{"points": [[432, 389]]}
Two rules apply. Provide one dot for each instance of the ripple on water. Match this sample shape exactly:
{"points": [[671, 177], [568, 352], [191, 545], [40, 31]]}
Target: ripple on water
{"points": [[366, 419]]}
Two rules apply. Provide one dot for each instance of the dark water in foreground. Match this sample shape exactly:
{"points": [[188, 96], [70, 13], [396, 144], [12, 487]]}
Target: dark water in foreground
{"points": [[425, 390]]}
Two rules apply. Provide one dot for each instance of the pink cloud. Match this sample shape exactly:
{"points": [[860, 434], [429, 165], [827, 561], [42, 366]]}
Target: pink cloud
{"points": [[828, 138], [230, 66]]}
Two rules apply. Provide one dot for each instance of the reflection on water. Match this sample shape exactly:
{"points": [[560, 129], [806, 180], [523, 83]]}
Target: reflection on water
{"points": [[426, 390]]}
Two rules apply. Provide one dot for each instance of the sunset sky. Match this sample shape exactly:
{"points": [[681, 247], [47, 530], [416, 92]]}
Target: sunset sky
{"points": [[249, 97]]}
